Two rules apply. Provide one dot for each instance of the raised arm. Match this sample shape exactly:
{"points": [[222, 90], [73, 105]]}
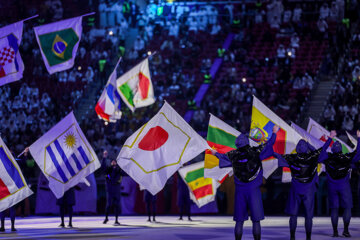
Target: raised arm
{"points": [[323, 154], [268, 149], [224, 161], [282, 159], [356, 158]]}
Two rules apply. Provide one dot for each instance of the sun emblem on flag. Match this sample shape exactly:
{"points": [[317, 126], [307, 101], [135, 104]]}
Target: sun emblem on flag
{"points": [[70, 140]]}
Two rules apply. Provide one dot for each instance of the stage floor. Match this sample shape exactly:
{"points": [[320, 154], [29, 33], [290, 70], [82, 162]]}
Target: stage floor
{"points": [[167, 227]]}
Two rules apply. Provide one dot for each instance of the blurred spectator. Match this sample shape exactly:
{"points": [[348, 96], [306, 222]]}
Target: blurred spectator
{"points": [[308, 81], [329, 116], [281, 54], [174, 29], [297, 13], [298, 83], [334, 12], [287, 15], [294, 41], [215, 29], [139, 44], [322, 27], [356, 74], [275, 22], [348, 123], [324, 11]]}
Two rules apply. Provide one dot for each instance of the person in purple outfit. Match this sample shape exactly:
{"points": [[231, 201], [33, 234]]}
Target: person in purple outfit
{"points": [[150, 201], [113, 176], [184, 201], [246, 163], [66, 201], [338, 168], [303, 167], [12, 218]]}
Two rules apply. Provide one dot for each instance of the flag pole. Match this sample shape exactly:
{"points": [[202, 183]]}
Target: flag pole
{"points": [[153, 53], [117, 63], [26, 19], [88, 14], [115, 67], [21, 153]]}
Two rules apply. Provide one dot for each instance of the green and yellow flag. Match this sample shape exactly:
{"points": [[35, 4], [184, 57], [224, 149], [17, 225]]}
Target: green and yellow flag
{"points": [[202, 190], [59, 42], [220, 137]]}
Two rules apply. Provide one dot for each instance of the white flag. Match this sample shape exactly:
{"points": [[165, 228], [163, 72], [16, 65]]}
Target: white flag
{"points": [[352, 139], [322, 134], [109, 104], [64, 155], [135, 86], [315, 142], [13, 187], [156, 151]]}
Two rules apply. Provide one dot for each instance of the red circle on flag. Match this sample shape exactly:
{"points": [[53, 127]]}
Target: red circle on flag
{"points": [[154, 139]]}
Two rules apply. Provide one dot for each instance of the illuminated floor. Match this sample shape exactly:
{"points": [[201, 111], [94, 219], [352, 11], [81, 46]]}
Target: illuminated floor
{"points": [[167, 227]]}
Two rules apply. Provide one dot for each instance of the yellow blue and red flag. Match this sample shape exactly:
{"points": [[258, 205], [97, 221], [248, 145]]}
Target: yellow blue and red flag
{"points": [[262, 122]]}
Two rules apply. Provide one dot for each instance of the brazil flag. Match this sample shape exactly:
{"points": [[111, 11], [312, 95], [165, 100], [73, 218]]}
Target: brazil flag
{"points": [[58, 46], [59, 42]]}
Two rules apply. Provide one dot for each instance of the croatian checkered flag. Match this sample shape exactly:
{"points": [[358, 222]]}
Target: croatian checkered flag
{"points": [[11, 64]]}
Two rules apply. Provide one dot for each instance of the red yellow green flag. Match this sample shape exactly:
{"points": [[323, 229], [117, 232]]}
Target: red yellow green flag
{"points": [[220, 137], [202, 190]]}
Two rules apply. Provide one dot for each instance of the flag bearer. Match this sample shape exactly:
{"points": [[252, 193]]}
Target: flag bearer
{"points": [[66, 201], [303, 167], [113, 175], [338, 169], [12, 219], [150, 201], [246, 162], [184, 201]]}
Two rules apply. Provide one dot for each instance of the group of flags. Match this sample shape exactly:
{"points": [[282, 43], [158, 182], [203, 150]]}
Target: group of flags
{"points": [[63, 154], [58, 43], [222, 137], [150, 155], [134, 88]]}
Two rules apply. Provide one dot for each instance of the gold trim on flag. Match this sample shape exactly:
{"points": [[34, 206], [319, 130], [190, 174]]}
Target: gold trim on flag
{"points": [[22, 177], [93, 159], [168, 165]]}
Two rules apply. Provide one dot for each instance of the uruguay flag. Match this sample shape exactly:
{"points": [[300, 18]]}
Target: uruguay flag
{"points": [[109, 104], [11, 64], [13, 187], [64, 155]]}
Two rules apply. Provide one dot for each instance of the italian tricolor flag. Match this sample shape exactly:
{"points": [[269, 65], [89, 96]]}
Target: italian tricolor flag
{"points": [[135, 86], [202, 190], [220, 137]]}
